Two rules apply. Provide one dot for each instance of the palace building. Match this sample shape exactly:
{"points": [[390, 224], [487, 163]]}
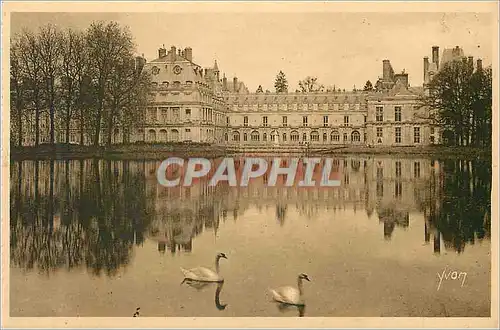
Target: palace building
{"points": [[200, 105], [192, 103]]}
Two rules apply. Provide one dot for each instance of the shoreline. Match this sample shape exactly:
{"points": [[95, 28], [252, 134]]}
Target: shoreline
{"points": [[162, 151]]}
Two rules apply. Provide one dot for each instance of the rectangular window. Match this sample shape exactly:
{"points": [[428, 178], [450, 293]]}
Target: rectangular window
{"points": [[285, 121], [325, 121], [227, 120], [398, 189], [264, 121], [244, 136], [379, 114], [284, 137], [325, 136], [398, 169], [398, 134], [304, 121], [380, 132], [245, 121], [397, 113], [416, 170], [346, 120], [432, 130], [304, 137], [416, 134], [345, 136]]}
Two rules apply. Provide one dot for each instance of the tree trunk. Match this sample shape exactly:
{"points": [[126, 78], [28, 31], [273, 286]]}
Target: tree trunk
{"points": [[68, 119], [97, 133], [82, 141], [19, 125], [37, 123], [52, 112]]}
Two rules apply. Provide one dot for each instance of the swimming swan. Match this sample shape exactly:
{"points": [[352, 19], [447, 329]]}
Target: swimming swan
{"points": [[290, 295], [203, 274]]}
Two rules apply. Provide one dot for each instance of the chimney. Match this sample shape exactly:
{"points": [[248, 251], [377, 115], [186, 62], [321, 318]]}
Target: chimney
{"points": [[172, 53], [235, 84], [188, 52], [479, 64], [426, 70], [386, 70], [470, 62], [162, 52], [435, 56], [224, 83]]}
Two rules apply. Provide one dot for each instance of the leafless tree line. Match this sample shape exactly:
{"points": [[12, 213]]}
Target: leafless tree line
{"points": [[85, 81]]}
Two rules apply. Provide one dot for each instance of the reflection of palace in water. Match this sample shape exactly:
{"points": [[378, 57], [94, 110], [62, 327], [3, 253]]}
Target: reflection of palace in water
{"points": [[389, 188], [108, 195]]}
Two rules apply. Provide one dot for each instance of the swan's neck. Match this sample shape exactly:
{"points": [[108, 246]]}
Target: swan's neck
{"points": [[299, 285], [217, 267]]}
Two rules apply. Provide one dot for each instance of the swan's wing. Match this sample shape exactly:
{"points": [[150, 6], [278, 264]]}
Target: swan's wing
{"points": [[200, 274], [286, 294]]}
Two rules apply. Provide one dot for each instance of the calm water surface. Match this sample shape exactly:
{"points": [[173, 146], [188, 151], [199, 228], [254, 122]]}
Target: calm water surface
{"points": [[101, 238]]}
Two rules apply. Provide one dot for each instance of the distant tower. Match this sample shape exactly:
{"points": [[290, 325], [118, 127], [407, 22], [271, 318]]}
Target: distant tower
{"points": [[216, 70]]}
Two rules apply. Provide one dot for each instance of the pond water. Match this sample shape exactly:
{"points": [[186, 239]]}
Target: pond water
{"points": [[399, 237]]}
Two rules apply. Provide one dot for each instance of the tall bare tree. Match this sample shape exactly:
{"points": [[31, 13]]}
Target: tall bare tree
{"points": [[128, 94], [73, 69], [106, 43], [17, 88], [310, 84], [50, 42], [30, 64]]}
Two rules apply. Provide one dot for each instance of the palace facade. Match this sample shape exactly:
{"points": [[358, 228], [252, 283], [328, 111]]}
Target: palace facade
{"points": [[195, 104], [192, 103]]}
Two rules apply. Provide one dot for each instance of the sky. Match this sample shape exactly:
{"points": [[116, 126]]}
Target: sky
{"points": [[341, 49]]}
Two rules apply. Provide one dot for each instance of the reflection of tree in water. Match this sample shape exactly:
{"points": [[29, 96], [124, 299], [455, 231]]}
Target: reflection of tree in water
{"points": [[88, 214], [392, 218], [464, 214], [281, 213]]}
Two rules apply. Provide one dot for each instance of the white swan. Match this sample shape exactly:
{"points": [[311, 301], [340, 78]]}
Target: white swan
{"points": [[203, 274], [290, 295]]}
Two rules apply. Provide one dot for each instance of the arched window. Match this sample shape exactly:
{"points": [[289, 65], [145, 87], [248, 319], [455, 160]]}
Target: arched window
{"points": [[174, 134], [151, 135], [236, 136], [355, 136], [294, 136], [264, 137], [255, 136], [335, 136], [163, 135], [314, 136]]}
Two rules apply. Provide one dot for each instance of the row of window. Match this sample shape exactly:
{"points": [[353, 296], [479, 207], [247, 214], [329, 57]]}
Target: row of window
{"points": [[397, 134], [284, 119], [296, 106], [379, 113], [175, 84], [314, 136]]}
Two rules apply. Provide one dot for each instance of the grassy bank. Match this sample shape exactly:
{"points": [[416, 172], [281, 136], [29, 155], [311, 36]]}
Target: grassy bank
{"points": [[161, 151], [118, 151], [430, 151]]}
